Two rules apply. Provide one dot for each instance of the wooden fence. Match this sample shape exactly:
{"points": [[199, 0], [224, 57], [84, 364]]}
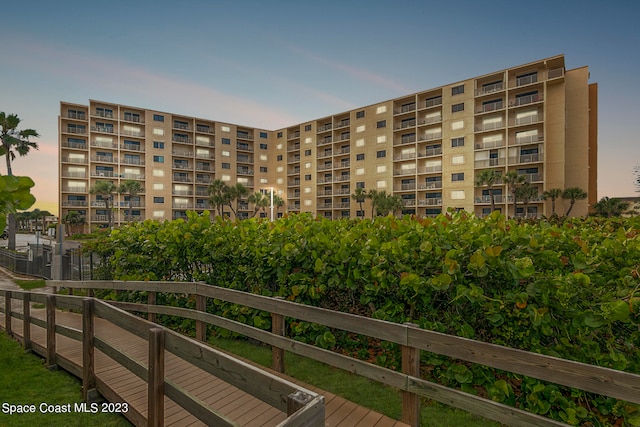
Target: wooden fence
{"points": [[303, 407], [595, 379]]}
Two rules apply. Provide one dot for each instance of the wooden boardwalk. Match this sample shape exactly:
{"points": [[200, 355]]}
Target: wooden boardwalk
{"points": [[124, 386]]}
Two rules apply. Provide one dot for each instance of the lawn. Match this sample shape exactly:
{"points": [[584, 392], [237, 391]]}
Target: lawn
{"points": [[24, 380]]}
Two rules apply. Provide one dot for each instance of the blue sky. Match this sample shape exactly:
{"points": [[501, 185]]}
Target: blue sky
{"points": [[274, 64]]}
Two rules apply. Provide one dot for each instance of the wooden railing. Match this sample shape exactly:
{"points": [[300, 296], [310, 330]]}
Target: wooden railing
{"points": [[595, 379], [303, 407]]}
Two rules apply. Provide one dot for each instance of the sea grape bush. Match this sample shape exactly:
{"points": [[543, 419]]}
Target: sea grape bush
{"points": [[568, 288]]}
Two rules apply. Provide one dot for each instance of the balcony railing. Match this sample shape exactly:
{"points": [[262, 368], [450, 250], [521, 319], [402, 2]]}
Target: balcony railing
{"points": [[181, 138], [405, 156], [178, 178], [430, 202], [431, 152], [492, 106], [244, 171], [204, 168], [244, 147], [103, 129], [405, 187], [527, 99], [292, 135], [405, 124], [82, 161], [203, 179], [529, 139], [77, 115], [133, 147], [489, 144], [99, 218], [294, 183], [326, 140], [497, 198], [75, 145], [342, 124], [133, 118], [104, 144], [204, 129], [482, 127], [431, 185], [326, 153], [526, 158], [342, 178], [294, 159], [490, 162], [525, 120], [555, 73], [77, 130], [433, 102], [411, 171], [67, 174], [430, 169], [181, 166], [492, 88], [244, 135], [182, 153], [339, 165], [132, 161], [533, 177], [74, 203], [526, 80], [405, 108], [430, 120], [324, 128], [409, 203], [294, 147], [181, 126], [182, 192], [342, 191], [134, 133], [430, 136], [103, 174]]}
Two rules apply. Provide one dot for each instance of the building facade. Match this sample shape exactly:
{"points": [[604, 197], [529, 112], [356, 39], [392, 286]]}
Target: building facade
{"points": [[537, 119]]}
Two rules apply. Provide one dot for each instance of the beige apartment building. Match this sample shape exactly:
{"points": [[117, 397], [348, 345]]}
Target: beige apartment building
{"points": [[537, 119]]}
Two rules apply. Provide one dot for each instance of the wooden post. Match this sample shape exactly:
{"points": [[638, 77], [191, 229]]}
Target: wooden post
{"points": [[7, 312], [26, 322], [88, 374], [51, 331], [151, 300], [411, 366], [296, 401], [201, 327], [155, 381], [277, 354]]}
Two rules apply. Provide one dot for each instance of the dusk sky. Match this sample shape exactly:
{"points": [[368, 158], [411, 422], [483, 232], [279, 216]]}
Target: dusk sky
{"points": [[274, 64]]}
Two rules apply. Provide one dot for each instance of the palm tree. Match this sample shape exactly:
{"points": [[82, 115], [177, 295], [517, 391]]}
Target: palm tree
{"points": [[572, 194], [132, 188], [610, 207], [72, 220], [260, 201], [105, 189], [514, 181], [234, 194], [489, 178], [278, 202], [12, 141], [217, 194], [552, 194], [526, 192], [374, 195], [359, 195]]}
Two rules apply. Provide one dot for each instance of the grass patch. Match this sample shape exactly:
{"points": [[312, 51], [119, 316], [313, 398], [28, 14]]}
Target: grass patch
{"points": [[373, 395], [26, 381], [27, 285]]}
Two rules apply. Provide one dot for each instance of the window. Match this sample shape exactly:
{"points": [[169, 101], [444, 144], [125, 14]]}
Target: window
{"points": [[381, 168], [307, 177], [158, 118], [158, 131], [457, 90], [226, 141], [360, 156], [263, 135], [381, 153], [457, 142], [457, 195], [158, 144], [457, 107], [279, 157], [307, 152], [457, 176], [225, 128], [279, 134], [158, 200], [381, 138], [457, 160], [360, 184], [307, 128], [158, 159], [360, 129], [158, 186], [263, 146], [360, 115], [381, 124], [359, 171], [226, 165], [457, 125], [381, 109], [263, 169]]}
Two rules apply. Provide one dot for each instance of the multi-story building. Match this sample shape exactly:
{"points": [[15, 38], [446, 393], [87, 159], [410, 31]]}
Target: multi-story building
{"points": [[537, 119]]}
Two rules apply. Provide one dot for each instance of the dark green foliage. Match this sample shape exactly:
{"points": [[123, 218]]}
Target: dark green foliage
{"points": [[567, 288]]}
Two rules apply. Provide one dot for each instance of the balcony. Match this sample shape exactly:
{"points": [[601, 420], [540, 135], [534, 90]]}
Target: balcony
{"points": [[294, 147], [182, 139], [406, 139], [293, 183], [343, 205], [409, 203], [181, 125], [343, 123], [526, 158], [244, 147], [293, 135], [492, 88], [204, 168], [74, 145], [103, 129], [526, 100], [181, 166], [325, 206], [483, 127], [74, 203], [294, 159], [491, 106], [134, 218], [405, 124], [99, 218], [487, 163], [342, 178], [182, 205], [134, 133], [405, 187], [433, 102], [532, 177], [182, 153], [486, 199], [209, 156], [325, 153], [104, 144], [430, 120], [431, 185], [339, 165], [431, 152], [180, 178], [525, 120], [80, 161], [343, 137], [80, 130], [325, 140], [182, 192], [324, 128], [103, 174], [430, 169], [489, 144], [67, 174], [293, 171], [204, 129], [203, 179], [430, 202], [244, 171], [342, 191], [76, 115], [405, 156], [529, 139], [527, 80], [138, 176], [431, 136], [132, 147], [405, 108], [132, 117], [244, 135], [132, 161], [398, 172]]}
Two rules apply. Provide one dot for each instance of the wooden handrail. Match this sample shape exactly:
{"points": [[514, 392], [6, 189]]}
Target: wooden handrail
{"points": [[613, 383], [267, 387]]}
